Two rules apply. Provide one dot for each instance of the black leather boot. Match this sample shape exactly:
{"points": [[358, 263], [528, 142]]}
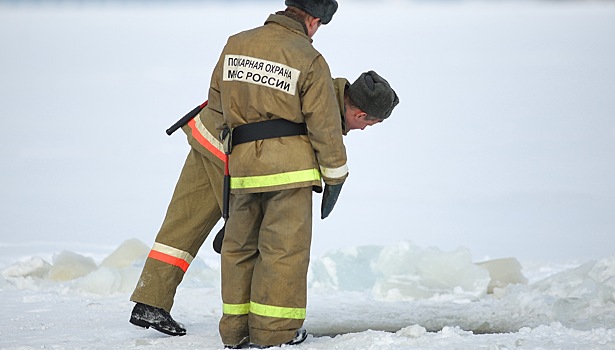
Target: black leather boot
{"points": [[149, 316]]}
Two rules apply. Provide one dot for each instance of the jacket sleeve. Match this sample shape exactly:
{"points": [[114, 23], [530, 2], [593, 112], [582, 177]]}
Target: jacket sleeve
{"points": [[321, 111]]}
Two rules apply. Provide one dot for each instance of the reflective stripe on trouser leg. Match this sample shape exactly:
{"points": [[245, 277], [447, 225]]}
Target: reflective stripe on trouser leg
{"points": [[239, 254], [279, 283], [297, 313], [192, 213], [171, 256]]}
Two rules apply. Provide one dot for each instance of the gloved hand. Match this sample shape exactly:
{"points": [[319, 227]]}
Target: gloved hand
{"points": [[218, 240], [329, 197]]}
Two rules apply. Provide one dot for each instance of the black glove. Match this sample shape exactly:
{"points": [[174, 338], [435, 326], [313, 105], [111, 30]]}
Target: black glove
{"points": [[329, 198], [218, 240]]}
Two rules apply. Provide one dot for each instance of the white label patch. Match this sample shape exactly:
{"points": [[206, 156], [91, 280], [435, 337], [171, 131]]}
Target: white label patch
{"points": [[261, 72]]}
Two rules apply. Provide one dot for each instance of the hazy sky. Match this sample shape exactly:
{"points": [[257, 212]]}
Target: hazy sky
{"points": [[504, 140]]}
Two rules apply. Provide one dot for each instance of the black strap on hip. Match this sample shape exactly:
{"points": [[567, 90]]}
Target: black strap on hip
{"points": [[266, 130]]}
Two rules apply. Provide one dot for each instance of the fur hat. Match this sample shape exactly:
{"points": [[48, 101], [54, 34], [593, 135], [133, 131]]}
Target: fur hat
{"points": [[323, 9], [373, 95]]}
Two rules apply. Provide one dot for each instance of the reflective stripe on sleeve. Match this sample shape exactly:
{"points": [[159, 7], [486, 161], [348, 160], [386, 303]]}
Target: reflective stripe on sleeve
{"points": [[275, 179], [206, 139], [277, 311], [334, 172], [171, 256], [236, 309]]}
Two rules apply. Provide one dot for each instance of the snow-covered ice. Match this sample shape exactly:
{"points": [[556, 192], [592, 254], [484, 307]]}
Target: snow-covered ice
{"points": [[366, 297]]}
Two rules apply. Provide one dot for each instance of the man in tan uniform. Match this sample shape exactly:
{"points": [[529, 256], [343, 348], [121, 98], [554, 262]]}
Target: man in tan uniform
{"points": [[278, 102], [275, 94], [192, 213]]}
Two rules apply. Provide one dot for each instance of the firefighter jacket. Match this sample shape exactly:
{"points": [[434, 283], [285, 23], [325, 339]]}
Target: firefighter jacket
{"points": [[274, 72]]}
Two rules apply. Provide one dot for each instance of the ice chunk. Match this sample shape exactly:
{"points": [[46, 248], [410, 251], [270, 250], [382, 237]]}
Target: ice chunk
{"points": [[414, 331], [103, 281], [411, 273], [346, 269], [503, 272], [400, 272], [107, 280], [68, 265], [33, 267], [200, 274], [118, 272], [585, 295], [603, 273], [398, 259], [128, 253]]}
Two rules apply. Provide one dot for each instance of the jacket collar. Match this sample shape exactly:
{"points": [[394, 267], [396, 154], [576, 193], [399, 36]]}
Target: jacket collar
{"points": [[288, 23]]}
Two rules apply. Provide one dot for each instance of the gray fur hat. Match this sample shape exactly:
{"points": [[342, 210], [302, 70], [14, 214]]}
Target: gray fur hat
{"points": [[373, 95], [323, 9]]}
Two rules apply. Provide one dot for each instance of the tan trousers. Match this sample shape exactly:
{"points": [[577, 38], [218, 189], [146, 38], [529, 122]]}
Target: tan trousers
{"points": [[194, 210], [265, 257]]}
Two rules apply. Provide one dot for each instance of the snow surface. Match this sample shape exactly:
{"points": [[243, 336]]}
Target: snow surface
{"points": [[496, 167], [365, 297]]}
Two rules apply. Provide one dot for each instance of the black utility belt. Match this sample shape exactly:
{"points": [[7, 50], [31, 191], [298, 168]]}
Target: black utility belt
{"points": [[266, 130]]}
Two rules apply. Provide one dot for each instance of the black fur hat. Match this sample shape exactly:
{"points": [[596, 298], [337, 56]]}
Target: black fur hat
{"points": [[373, 95], [323, 9]]}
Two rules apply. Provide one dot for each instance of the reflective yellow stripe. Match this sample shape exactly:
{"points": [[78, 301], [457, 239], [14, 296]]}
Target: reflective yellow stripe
{"points": [[277, 311], [264, 310], [275, 179], [236, 309]]}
